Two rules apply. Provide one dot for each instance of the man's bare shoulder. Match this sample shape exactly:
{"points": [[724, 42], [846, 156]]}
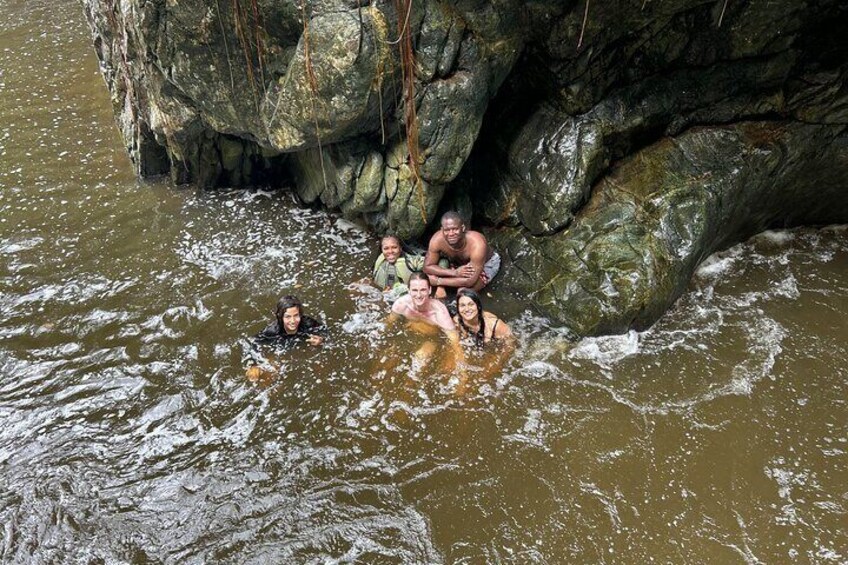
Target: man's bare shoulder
{"points": [[437, 241], [476, 238], [438, 307], [442, 316], [401, 305]]}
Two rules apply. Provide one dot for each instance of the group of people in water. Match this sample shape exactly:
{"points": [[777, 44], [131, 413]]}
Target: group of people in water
{"points": [[457, 260]]}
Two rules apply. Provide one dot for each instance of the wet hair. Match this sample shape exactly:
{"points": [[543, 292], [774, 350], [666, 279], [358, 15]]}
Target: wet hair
{"points": [[452, 215], [286, 302], [480, 335], [418, 275]]}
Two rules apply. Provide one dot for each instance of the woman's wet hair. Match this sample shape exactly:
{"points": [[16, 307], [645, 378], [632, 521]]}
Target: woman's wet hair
{"points": [[286, 302], [479, 335]]}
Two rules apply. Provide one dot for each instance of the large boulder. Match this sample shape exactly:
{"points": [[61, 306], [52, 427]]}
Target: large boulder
{"points": [[632, 249], [608, 147], [243, 91]]}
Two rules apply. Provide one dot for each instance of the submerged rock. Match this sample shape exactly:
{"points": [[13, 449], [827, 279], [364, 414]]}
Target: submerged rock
{"points": [[609, 148]]}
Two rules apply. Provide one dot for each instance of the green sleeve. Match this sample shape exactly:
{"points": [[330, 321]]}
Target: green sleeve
{"points": [[379, 275]]}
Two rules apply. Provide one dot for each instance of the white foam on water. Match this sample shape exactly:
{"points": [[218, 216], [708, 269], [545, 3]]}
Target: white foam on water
{"points": [[532, 432], [787, 288], [362, 323], [787, 480], [350, 228], [607, 501], [778, 237], [242, 425], [540, 370], [79, 290], [765, 338], [245, 246], [367, 408], [606, 351], [98, 318], [719, 264], [830, 554], [16, 246]]}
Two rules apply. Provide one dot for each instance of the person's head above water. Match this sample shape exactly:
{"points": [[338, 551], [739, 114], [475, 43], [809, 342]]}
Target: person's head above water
{"points": [[391, 248], [470, 309], [288, 313], [419, 289], [468, 304], [453, 228]]}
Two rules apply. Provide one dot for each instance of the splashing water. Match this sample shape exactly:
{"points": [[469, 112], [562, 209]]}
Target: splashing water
{"points": [[130, 433]]}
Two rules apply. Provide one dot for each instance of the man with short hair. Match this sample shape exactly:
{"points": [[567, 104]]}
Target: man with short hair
{"points": [[417, 306], [472, 262]]}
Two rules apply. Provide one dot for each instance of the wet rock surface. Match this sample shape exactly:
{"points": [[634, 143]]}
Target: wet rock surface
{"points": [[631, 250], [607, 149]]}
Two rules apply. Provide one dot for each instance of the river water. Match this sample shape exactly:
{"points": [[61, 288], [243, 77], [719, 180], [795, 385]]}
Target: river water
{"points": [[129, 433]]}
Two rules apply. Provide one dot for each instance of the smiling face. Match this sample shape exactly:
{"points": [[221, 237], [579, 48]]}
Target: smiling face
{"points": [[467, 309], [291, 320], [390, 247], [419, 293], [453, 231]]}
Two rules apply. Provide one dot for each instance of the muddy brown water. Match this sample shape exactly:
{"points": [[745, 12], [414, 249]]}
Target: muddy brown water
{"points": [[129, 434]]}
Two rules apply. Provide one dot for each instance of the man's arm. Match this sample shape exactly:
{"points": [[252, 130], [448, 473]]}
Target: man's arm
{"points": [[396, 315], [445, 323], [431, 260], [392, 320], [459, 362], [467, 275], [398, 307]]}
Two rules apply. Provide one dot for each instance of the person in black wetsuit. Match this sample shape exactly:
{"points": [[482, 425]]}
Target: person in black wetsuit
{"points": [[291, 324]]}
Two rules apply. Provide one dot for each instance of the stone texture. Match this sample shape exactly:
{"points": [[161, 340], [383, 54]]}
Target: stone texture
{"points": [[291, 80], [631, 250], [607, 159]]}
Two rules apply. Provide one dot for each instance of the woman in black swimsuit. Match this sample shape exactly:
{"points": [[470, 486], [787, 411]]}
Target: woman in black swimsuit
{"points": [[291, 324], [474, 322]]}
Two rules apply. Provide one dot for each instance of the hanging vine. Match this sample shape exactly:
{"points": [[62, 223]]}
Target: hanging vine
{"points": [[226, 47], [583, 25], [407, 59], [313, 86], [244, 41]]}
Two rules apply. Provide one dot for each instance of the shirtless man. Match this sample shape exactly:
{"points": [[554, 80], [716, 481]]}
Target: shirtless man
{"points": [[473, 262], [417, 306]]}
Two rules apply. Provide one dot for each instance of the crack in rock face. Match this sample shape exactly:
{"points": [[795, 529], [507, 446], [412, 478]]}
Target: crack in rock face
{"points": [[606, 158]]}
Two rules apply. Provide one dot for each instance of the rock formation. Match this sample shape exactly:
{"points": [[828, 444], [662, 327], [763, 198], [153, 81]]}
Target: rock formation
{"points": [[607, 148]]}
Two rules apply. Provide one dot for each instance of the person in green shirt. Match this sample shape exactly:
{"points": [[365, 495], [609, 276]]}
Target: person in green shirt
{"points": [[394, 267]]}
